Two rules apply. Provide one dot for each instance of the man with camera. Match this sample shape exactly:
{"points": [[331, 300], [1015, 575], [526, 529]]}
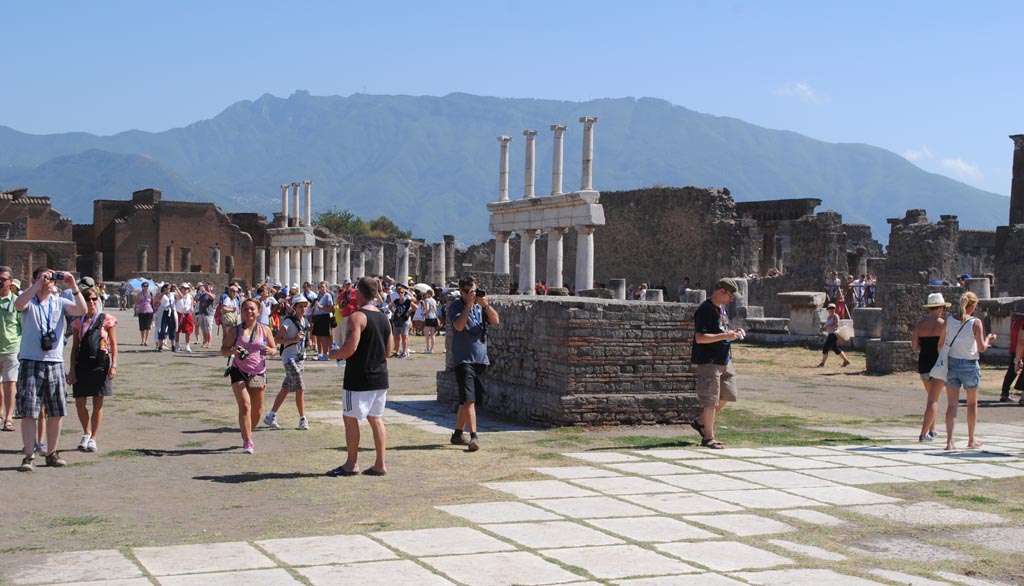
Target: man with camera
{"points": [[470, 315], [41, 368], [711, 355]]}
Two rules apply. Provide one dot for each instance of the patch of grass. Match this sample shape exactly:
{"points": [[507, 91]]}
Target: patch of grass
{"points": [[130, 453], [77, 520], [151, 413], [967, 498], [192, 444]]}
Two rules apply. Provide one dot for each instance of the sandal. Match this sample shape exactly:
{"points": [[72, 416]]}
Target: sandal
{"points": [[710, 442], [341, 472], [698, 427], [8, 425]]}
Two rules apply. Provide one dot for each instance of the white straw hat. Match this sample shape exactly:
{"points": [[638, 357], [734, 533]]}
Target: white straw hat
{"points": [[936, 300]]}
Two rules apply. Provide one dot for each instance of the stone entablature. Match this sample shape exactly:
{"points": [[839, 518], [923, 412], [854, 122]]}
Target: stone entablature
{"points": [[543, 213]]}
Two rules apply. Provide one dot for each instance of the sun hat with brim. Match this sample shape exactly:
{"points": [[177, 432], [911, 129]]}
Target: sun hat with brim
{"points": [[830, 306], [729, 285], [299, 299], [16, 283], [936, 300]]}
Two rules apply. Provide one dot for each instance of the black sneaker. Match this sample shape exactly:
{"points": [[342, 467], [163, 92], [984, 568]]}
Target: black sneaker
{"points": [[1005, 399], [28, 464], [55, 460], [459, 440], [474, 445]]}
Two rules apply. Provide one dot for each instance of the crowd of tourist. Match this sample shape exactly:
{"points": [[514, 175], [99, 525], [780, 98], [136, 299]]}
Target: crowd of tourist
{"points": [[849, 293]]}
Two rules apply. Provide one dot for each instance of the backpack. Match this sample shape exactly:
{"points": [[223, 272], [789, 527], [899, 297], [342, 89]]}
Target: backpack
{"points": [[1015, 326], [92, 357]]}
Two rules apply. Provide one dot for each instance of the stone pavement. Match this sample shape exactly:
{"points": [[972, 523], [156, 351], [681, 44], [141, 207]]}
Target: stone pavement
{"points": [[630, 518]]}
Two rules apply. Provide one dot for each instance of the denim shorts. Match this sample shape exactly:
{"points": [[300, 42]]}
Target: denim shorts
{"points": [[963, 373]]}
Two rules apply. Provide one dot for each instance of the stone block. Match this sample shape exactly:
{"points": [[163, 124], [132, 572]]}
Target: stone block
{"points": [[654, 295], [802, 299], [596, 293], [886, 357], [696, 296], [774, 325], [867, 322]]}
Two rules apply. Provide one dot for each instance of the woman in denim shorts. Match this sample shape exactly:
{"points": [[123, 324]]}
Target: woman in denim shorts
{"points": [[967, 340]]}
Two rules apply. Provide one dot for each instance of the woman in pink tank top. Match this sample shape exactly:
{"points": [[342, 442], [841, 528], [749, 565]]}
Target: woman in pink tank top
{"points": [[248, 344]]}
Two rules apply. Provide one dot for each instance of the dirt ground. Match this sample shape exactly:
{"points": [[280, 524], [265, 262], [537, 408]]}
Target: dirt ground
{"points": [[170, 468]]}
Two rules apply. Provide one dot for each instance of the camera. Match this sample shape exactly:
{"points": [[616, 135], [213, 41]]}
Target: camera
{"points": [[58, 276], [481, 293], [48, 341], [243, 353]]}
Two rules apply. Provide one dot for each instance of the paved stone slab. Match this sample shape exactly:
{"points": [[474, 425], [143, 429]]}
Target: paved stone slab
{"points": [[801, 451], [742, 524], [652, 468], [200, 558], [498, 512], [592, 507], [498, 569], [843, 495], [856, 476], [619, 561], [704, 482], [125, 582], [274, 577], [814, 517], [692, 579], [444, 541], [332, 549], [726, 465], [764, 498], [539, 489], [986, 470], [808, 550], [70, 567], [1005, 539], [803, 578], [928, 513], [907, 579], [566, 472], [552, 534], [1016, 464], [923, 458], [373, 574], [677, 454], [682, 503], [929, 473], [968, 581], [783, 479], [750, 453], [626, 485], [905, 548], [724, 556], [857, 461], [795, 463], [603, 457], [652, 529]]}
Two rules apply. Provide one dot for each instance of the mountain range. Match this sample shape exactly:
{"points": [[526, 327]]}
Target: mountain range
{"points": [[431, 163]]}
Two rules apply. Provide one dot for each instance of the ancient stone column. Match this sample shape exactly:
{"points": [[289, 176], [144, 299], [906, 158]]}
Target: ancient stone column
{"points": [[259, 274], [143, 259], [587, 182], [169, 258], [296, 272], [403, 262], [229, 266], [584, 257], [275, 264], [981, 287], [527, 261], [319, 270], [554, 266], [97, 266], [501, 260], [295, 199], [309, 202], [345, 263], [307, 265], [284, 203], [186, 260], [654, 295], [618, 287], [378, 261], [1017, 183], [503, 166], [331, 274], [531, 151], [215, 260], [285, 268], [449, 256], [358, 265], [556, 160], [438, 272]]}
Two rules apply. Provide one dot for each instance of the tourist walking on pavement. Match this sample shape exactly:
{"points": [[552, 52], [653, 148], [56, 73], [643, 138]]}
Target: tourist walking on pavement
{"points": [[711, 353], [470, 315], [963, 370], [291, 338], [925, 341], [1013, 370], [144, 311], [185, 307], [93, 366], [430, 323], [323, 313], [248, 344], [831, 340], [41, 378], [10, 343], [402, 308], [368, 342], [205, 306], [165, 301]]}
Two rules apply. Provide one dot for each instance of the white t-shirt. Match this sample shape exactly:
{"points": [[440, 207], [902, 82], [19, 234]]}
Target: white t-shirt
{"points": [[185, 303], [167, 301], [39, 318], [288, 331], [429, 307]]}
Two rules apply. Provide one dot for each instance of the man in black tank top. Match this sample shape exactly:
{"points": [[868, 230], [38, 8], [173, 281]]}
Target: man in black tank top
{"points": [[368, 342]]}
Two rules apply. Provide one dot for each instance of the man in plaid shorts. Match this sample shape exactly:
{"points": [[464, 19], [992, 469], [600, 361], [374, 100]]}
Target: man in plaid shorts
{"points": [[41, 360]]}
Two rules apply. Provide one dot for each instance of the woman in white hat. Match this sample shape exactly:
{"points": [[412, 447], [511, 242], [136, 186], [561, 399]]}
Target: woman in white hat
{"points": [[925, 341], [966, 338]]}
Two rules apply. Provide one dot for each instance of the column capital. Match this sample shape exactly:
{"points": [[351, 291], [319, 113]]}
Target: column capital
{"points": [[557, 230], [558, 128], [285, 185], [501, 235], [307, 181], [504, 140], [295, 184], [531, 232], [529, 133], [1018, 141], [585, 229], [588, 120]]}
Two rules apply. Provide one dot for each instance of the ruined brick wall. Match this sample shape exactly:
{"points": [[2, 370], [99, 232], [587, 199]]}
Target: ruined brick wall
{"points": [[33, 218], [1010, 260], [573, 361], [920, 251], [901, 305], [976, 252], [24, 256]]}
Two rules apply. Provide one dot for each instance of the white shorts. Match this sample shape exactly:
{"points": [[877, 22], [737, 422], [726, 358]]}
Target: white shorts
{"points": [[9, 368], [362, 404]]}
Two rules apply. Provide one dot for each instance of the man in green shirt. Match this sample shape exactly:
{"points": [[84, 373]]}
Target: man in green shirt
{"points": [[10, 342]]}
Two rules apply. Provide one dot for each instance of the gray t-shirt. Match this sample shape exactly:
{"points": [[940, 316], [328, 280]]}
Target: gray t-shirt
{"points": [[288, 330], [469, 345], [39, 318]]}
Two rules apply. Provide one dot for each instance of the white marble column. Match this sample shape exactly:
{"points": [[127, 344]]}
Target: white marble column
{"points": [[284, 203], [438, 268], [556, 159], [285, 268], [309, 203], [503, 168], [358, 265], [260, 275], [584, 257], [307, 265], [275, 264], [554, 266], [345, 263], [318, 265], [295, 199], [587, 182], [215, 260], [527, 261], [379, 261], [296, 276], [501, 260], [403, 261], [332, 265], [531, 151]]}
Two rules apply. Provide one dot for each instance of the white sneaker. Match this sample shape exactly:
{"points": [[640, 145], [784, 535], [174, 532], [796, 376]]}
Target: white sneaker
{"points": [[92, 445], [84, 444], [271, 421], [303, 423], [248, 448], [40, 448], [188, 348]]}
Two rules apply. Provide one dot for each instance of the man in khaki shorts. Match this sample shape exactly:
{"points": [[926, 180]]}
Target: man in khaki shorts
{"points": [[10, 342], [712, 341]]}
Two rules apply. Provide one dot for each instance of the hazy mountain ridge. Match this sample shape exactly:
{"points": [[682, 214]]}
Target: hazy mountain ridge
{"points": [[431, 163]]}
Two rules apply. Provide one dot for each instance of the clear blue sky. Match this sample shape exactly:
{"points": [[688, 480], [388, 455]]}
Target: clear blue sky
{"points": [[937, 81]]}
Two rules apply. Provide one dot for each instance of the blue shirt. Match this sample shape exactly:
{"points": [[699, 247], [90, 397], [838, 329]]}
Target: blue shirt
{"points": [[39, 318], [470, 345]]}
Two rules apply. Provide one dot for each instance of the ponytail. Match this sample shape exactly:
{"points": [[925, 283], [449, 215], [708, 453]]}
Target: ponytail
{"points": [[966, 300]]}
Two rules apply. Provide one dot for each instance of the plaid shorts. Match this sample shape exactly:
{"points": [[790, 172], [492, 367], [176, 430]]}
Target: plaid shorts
{"points": [[293, 377], [41, 384]]}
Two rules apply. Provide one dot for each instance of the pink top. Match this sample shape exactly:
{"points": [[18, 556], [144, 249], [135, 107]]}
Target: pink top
{"points": [[109, 321], [255, 362], [145, 303]]}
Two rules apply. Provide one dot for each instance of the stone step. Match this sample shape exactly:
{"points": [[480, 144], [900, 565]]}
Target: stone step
{"points": [[774, 325], [751, 312]]}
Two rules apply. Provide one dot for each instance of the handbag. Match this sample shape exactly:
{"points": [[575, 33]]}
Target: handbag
{"points": [[941, 369]]}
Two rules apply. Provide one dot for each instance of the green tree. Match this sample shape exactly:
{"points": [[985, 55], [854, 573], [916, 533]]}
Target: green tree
{"points": [[383, 226], [345, 223]]}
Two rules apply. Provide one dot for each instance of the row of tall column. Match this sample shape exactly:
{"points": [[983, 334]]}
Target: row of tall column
{"points": [[528, 255], [529, 191], [142, 260], [304, 219]]}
